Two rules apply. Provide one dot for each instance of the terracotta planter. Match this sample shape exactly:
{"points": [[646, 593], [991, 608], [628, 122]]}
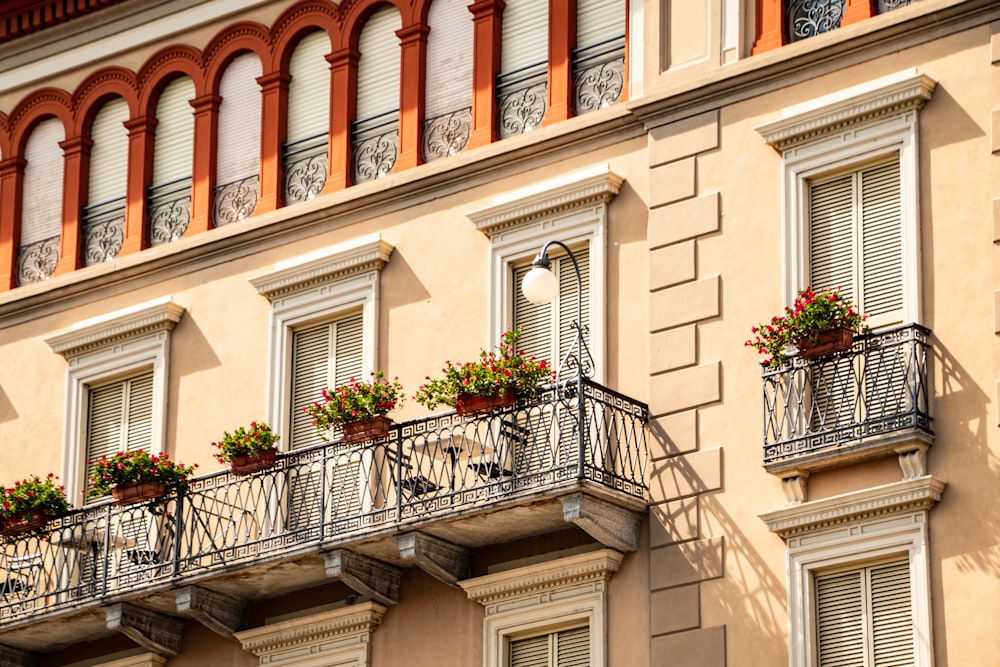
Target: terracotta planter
{"points": [[246, 464], [137, 492], [827, 342], [19, 524], [366, 429], [468, 404]]}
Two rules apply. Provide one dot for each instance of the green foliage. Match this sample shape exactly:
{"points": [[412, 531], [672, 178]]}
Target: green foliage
{"points": [[246, 442], [139, 467], [34, 498], [355, 401]]}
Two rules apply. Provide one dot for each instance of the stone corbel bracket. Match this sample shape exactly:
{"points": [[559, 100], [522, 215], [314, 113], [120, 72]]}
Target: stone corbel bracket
{"points": [[14, 657], [613, 526], [220, 613], [154, 632], [368, 576], [444, 561]]}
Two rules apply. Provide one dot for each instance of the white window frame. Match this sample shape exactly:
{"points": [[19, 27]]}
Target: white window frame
{"points": [[839, 131], [106, 348], [536, 599], [857, 529], [572, 209], [316, 287]]}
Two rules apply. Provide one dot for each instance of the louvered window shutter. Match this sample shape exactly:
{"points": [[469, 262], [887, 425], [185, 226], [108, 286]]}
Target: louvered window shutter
{"points": [[598, 21], [449, 62], [119, 417], [239, 120], [173, 155], [525, 37], [566, 648], [855, 239], [378, 67], [309, 88], [108, 155], [864, 617], [43, 183], [323, 356]]}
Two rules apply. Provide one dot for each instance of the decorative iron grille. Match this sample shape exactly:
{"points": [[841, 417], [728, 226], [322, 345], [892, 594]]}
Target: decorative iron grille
{"points": [[37, 261], [878, 387], [324, 495], [169, 207], [521, 99], [305, 166], [883, 6], [808, 18], [234, 201], [375, 145], [446, 135], [103, 231], [598, 75]]}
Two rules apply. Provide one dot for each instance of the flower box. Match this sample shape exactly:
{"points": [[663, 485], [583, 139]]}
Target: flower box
{"points": [[469, 404], [18, 524], [247, 464], [130, 493], [825, 343], [366, 429]]}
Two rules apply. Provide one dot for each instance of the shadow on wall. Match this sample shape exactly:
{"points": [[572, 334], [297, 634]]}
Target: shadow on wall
{"points": [[7, 411]]}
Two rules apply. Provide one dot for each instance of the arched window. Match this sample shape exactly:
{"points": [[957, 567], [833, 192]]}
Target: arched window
{"points": [[522, 84], [305, 150], [238, 164], [41, 212], [448, 98], [169, 196], [599, 56], [375, 132], [104, 214]]}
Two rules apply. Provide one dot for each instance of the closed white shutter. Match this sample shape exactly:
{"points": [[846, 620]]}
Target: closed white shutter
{"points": [[309, 88], [173, 155], [864, 617], [119, 418], [323, 356], [239, 120], [109, 154], [41, 216], [378, 68], [547, 330], [598, 21], [449, 58], [525, 34], [856, 239], [566, 648]]}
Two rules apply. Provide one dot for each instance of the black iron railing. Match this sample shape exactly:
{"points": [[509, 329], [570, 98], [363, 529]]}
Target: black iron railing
{"points": [[330, 494], [169, 206], [374, 145], [521, 97], [878, 387], [598, 75], [305, 164]]}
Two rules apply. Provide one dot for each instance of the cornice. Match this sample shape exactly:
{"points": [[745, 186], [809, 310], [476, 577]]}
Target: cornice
{"points": [[921, 493], [332, 264], [548, 198], [142, 320], [583, 568], [356, 619], [892, 95]]}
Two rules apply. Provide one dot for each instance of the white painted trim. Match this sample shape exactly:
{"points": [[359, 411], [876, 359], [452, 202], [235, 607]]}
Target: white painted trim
{"points": [[562, 593], [572, 209], [112, 346], [318, 286]]}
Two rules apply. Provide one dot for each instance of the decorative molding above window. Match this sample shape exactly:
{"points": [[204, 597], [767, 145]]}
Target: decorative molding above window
{"points": [[323, 266], [910, 495], [107, 330], [812, 120], [339, 636]]}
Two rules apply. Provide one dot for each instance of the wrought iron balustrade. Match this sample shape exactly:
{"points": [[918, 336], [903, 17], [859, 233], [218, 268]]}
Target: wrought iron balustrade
{"points": [[598, 75], [305, 168], [521, 99], [326, 495], [447, 134], [808, 18], [830, 404], [375, 145], [103, 231], [234, 201], [37, 261], [169, 206]]}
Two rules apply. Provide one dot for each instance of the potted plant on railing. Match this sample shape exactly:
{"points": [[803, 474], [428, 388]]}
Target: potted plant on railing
{"points": [[358, 408], [816, 325], [30, 504], [248, 450], [494, 381], [137, 476]]}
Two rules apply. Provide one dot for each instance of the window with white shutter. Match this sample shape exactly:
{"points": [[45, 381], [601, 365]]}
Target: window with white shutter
{"points": [[599, 56], [119, 418], [375, 131], [448, 95], [864, 616], [563, 648], [522, 85], [104, 214], [169, 196], [41, 213], [305, 149], [236, 186], [856, 238]]}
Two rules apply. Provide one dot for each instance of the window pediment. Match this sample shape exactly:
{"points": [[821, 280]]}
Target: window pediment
{"points": [[107, 330]]}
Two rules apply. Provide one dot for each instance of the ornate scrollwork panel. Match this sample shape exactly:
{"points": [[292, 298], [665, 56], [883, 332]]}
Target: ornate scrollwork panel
{"points": [[37, 261], [234, 201], [446, 135], [102, 239], [169, 220], [883, 6], [808, 18], [599, 85], [374, 157], [521, 110], [305, 178]]}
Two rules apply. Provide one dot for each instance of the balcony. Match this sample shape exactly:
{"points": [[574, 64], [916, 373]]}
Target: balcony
{"points": [[866, 402], [428, 494]]}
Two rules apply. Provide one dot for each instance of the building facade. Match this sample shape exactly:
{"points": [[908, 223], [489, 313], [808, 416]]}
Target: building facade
{"points": [[210, 211]]}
